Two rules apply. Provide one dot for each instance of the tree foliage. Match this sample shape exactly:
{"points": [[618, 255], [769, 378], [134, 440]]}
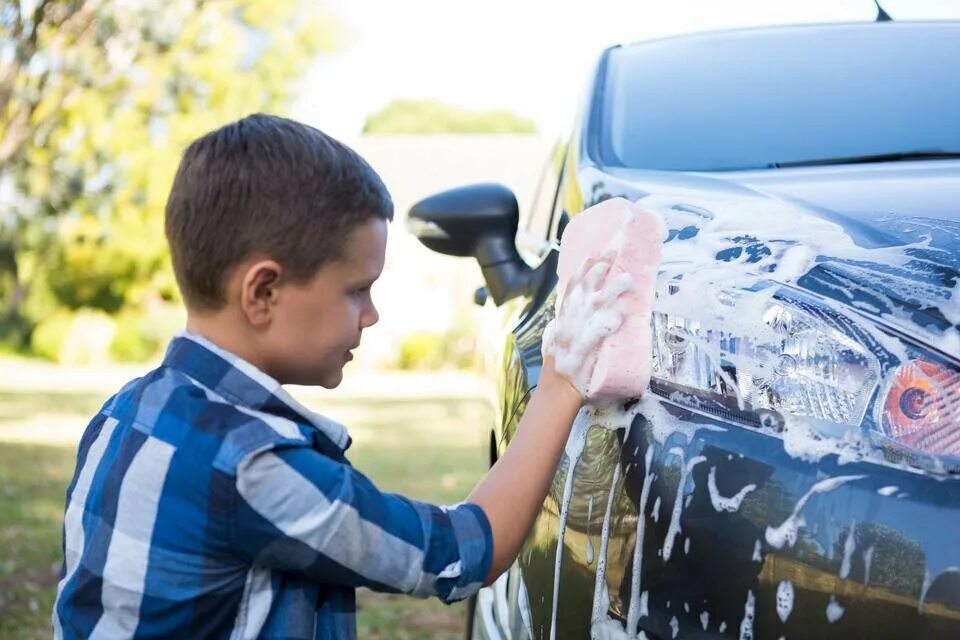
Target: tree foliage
{"points": [[432, 117], [97, 100]]}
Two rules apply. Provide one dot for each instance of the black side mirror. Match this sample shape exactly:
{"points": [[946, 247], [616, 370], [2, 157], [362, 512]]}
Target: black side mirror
{"points": [[480, 221]]}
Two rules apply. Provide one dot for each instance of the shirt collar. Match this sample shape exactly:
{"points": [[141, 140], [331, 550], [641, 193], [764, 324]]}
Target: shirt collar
{"points": [[242, 383]]}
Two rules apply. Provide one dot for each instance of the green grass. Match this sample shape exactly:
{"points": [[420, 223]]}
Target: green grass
{"points": [[428, 449], [33, 479], [18, 407]]}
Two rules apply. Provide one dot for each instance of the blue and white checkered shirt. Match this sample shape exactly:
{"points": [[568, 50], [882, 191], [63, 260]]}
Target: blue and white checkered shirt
{"points": [[208, 503]]}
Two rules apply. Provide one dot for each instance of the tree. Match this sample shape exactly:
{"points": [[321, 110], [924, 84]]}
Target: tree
{"points": [[97, 100], [429, 116]]}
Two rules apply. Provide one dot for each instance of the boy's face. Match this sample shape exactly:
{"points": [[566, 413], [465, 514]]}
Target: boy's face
{"points": [[318, 323]]}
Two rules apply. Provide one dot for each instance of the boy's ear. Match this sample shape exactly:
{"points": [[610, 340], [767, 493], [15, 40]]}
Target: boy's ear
{"points": [[260, 290]]}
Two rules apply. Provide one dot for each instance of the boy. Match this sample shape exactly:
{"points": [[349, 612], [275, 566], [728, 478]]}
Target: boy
{"points": [[207, 503]]}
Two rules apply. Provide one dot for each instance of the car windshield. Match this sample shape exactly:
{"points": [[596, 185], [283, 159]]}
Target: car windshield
{"points": [[784, 97]]}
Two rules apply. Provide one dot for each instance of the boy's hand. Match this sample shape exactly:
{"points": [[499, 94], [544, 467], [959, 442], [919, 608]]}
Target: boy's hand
{"points": [[588, 311], [553, 382]]}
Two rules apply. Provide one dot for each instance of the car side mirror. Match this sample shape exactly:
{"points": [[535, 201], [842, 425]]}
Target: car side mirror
{"points": [[481, 221]]}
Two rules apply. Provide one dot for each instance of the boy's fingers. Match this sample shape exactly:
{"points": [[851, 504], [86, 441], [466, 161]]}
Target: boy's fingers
{"points": [[573, 283], [612, 290], [563, 297], [594, 277], [588, 270], [617, 286], [607, 322], [600, 325], [585, 265], [549, 337]]}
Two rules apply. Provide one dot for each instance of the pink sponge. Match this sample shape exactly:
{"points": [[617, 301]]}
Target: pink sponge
{"points": [[632, 237]]}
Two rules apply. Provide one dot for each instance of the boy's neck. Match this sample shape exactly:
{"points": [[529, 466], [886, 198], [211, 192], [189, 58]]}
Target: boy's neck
{"points": [[218, 329]]}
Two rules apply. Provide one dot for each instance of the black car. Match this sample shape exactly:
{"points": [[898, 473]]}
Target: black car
{"points": [[793, 470]]}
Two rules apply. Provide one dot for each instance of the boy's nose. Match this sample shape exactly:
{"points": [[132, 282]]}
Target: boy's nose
{"points": [[371, 316]]}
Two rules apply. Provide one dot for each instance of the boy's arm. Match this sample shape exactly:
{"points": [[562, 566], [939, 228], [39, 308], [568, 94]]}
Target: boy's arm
{"points": [[302, 512], [513, 490]]}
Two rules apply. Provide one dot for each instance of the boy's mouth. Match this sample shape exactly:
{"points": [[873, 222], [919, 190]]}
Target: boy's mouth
{"points": [[348, 356]]}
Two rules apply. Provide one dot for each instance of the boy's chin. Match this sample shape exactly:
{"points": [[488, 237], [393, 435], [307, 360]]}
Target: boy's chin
{"points": [[331, 380], [328, 378]]}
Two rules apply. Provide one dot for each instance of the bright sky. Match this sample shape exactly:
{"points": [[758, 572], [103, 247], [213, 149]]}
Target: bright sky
{"points": [[528, 56]]}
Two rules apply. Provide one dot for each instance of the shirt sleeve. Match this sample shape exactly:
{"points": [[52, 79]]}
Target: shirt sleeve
{"points": [[303, 512]]}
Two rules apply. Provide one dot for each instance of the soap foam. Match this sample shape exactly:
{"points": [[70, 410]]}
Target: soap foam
{"points": [[721, 503]]}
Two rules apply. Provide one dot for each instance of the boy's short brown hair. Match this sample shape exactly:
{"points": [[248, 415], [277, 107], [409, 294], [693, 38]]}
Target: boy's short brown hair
{"points": [[269, 185]]}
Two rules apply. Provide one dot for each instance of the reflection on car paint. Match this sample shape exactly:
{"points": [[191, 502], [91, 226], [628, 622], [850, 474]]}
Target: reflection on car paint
{"points": [[928, 581], [787, 532]]}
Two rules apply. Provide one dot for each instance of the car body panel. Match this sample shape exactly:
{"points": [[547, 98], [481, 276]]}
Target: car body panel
{"points": [[705, 507]]}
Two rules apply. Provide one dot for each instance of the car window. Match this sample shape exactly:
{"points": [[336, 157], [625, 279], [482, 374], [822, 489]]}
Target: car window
{"points": [[533, 238], [559, 217], [538, 223], [730, 101]]}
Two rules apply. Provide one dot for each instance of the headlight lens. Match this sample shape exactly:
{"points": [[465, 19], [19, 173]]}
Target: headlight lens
{"points": [[792, 361], [756, 357]]}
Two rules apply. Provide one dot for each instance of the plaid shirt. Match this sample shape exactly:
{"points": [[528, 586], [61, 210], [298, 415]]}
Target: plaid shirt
{"points": [[207, 503]]}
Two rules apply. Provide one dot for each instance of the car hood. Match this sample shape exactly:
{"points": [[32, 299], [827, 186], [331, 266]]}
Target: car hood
{"points": [[883, 239]]}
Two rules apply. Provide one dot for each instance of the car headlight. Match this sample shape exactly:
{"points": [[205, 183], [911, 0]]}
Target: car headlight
{"points": [[760, 357]]}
